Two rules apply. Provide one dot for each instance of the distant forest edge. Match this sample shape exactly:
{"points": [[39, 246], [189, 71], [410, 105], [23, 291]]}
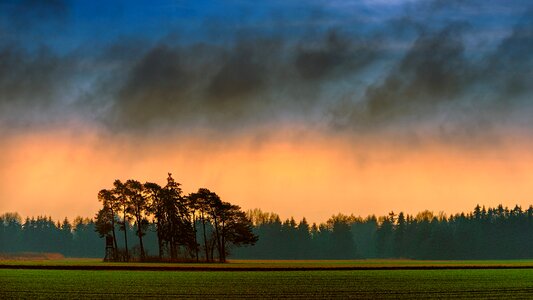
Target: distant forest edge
{"points": [[159, 223], [493, 233]]}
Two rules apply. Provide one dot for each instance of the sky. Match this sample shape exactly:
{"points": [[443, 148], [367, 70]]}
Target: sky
{"points": [[304, 108]]}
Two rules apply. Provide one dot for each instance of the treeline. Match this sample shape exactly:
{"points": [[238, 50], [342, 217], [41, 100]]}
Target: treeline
{"points": [[484, 233], [42, 234]]}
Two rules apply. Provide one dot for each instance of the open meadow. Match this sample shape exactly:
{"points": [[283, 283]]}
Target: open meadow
{"points": [[268, 279]]}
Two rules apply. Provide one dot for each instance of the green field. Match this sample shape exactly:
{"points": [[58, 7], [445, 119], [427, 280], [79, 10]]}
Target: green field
{"points": [[92, 278], [274, 284]]}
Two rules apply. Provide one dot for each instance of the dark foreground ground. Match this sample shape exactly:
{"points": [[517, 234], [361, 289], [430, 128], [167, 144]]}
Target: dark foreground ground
{"points": [[389, 279]]}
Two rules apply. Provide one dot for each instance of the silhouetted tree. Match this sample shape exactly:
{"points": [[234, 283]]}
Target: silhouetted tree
{"points": [[66, 237], [154, 193], [10, 232], [384, 237], [204, 199], [121, 194], [177, 229], [342, 243], [235, 228], [111, 205], [139, 209], [303, 239], [194, 208], [399, 236], [103, 223]]}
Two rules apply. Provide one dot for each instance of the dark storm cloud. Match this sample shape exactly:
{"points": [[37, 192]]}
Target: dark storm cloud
{"points": [[398, 72], [433, 71], [38, 87], [173, 84], [464, 97], [333, 53], [511, 65], [32, 76], [154, 87], [242, 73], [247, 80]]}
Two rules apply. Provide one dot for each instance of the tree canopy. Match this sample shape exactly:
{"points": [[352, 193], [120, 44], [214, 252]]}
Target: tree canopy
{"points": [[174, 218]]}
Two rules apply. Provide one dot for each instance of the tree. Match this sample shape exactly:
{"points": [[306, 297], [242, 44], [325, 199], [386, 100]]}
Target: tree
{"points": [[213, 204], [66, 236], [399, 236], [194, 207], [111, 204], [10, 231], [124, 205], [177, 228], [153, 192], [235, 228], [139, 209], [103, 222], [202, 202], [303, 239], [341, 238], [384, 237], [104, 225]]}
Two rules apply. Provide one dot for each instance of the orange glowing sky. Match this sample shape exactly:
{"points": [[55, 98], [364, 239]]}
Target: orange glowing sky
{"points": [[59, 174]]}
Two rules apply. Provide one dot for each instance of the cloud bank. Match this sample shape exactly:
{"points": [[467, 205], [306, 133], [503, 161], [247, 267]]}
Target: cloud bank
{"points": [[457, 71]]}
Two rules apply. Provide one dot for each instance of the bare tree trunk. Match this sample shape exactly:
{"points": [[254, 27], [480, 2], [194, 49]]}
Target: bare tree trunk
{"points": [[217, 236], [195, 240], [114, 236], [159, 243], [139, 234], [223, 243], [173, 254], [126, 237], [212, 249], [205, 239]]}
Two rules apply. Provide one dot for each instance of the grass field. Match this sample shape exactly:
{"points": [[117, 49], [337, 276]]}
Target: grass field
{"points": [[301, 282], [277, 284]]}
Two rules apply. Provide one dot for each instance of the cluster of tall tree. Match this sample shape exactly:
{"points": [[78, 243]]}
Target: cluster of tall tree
{"points": [[484, 233], [195, 226]]}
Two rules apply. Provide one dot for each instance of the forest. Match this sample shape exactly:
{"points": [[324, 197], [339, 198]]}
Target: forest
{"points": [[149, 222], [484, 233]]}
